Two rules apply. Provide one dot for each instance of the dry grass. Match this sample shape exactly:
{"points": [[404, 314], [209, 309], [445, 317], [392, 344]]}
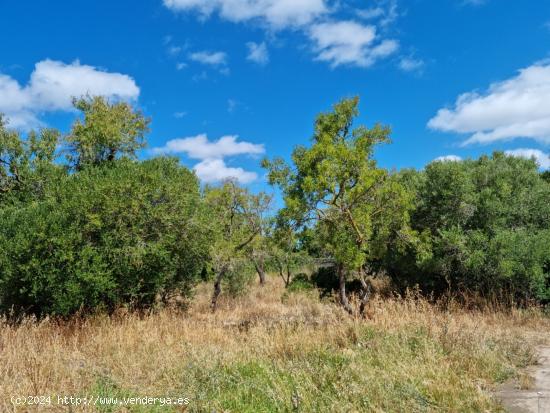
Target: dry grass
{"points": [[259, 354]]}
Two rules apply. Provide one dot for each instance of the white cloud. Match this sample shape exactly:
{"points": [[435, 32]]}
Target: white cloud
{"points": [[52, 86], [337, 42], [209, 58], [384, 13], [212, 154], [275, 13], [215, 170], [200, 147], [349, 43], [515, 108], [409, 64], [257, 53], [448, 158], [542, 159]]}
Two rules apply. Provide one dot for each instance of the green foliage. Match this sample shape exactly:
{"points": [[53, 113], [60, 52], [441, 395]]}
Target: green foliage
{"points": [[300, 282], [337, 185], [239, 276], [26, 165], [107, 230], [108, 131], [357, 209], [488, 223], [102, 238], [236, 219], [286, 255]]}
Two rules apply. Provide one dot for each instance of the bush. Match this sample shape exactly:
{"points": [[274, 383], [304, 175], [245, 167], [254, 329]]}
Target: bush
{"points": [[124, 233], [239, 277], [488, 223], [300, 282]]}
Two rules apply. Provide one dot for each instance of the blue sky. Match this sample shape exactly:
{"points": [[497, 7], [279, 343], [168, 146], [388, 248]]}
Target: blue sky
{"points": [[229, 81]]}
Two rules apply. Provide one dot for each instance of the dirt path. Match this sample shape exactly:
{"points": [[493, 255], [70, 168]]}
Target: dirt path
{"points": [[536, 399]]}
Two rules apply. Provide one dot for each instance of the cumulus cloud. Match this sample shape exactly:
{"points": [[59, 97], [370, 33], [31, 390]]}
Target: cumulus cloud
{"points": [[541, 158], [515, 108], [349, 43], [209, 58], [338, 42], [257, 53], [448, 158], [52, 86], [215, 170], [212, 154], [200, 147], [275, 13]]}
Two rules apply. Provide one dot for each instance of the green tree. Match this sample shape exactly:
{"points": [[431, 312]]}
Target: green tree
{"points": [[285, 253], [337, 186], [26, 165], [107, 131], [236, 218]]}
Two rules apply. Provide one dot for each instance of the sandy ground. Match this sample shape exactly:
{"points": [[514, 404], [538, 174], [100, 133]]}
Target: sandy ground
{"points": [[536, 399]]}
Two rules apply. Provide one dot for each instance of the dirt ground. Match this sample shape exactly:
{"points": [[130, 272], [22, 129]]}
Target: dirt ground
{"points": [[537, 398]]}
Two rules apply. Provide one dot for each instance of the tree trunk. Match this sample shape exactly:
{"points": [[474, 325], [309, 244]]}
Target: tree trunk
{"points": [[288, 275], [282, 273], [365, 296], [217, 290], [342, 289], [260, 270]]}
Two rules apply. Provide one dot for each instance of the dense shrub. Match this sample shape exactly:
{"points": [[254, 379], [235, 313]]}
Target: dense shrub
{"points": [[123, 233], [300, 282], [488, 222]]}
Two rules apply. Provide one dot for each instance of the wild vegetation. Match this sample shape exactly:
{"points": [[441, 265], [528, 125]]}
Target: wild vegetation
{"points": [[101, 229], [258, 353], [105, 262]]}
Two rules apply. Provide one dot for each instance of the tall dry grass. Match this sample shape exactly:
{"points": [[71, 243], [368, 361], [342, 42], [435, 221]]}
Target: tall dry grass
{"points": [[262, 353]]}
